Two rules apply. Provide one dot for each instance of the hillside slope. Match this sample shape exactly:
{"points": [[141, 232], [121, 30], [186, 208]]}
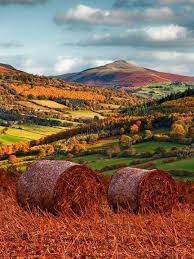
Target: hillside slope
{"points": [[122, 74], [6, 68]]}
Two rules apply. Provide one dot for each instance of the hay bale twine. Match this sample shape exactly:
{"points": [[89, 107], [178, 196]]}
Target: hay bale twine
{"points": [[138, 190], [59, 187]]}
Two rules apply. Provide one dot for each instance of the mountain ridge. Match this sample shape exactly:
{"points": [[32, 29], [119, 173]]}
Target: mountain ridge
{"points": [[121, 74], [6, 67]]}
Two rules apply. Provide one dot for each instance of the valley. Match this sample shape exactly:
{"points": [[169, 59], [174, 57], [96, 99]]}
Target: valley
{"points": [[104, 128]]}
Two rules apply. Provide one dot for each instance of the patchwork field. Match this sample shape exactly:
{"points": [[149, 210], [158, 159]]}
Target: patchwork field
{"points": [[55, 92], [26, 133], [84, 114], [157, 91], [102, 162], [50, 104]]}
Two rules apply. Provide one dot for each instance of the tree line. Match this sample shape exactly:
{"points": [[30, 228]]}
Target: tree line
{"points": [[112, 124]]}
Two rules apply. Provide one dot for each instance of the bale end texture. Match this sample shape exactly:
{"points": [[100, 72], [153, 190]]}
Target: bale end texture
{"points": [[59, 187], [138, 190]]}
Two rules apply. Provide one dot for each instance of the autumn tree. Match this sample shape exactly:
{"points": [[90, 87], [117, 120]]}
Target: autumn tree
{"points": [[148, 134], [126, 141], [178, 130], [134, 129], [12, 159], [136, 138]]}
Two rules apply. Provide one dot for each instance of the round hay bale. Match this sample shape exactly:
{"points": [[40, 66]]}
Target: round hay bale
{"points": [[59, 187], [138, 190]]}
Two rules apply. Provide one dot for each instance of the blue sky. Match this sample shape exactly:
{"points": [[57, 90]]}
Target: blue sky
{"points": [[60, 36]]}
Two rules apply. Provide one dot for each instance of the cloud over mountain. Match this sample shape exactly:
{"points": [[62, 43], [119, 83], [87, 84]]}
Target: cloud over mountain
{"points": [[69, 64], [162, 37]]}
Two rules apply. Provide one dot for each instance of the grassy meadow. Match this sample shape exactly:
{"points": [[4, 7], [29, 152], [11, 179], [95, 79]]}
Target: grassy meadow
{"points": [[156, 91], [25, 132], [98, 160]]}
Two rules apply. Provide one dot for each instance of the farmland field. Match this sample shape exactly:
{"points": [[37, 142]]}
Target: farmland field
{"points": [[141, 147], [186, 164], [32, 105], [84, 114], [100, 161], [158, 90], [49, 104], [26, 132], [152, 145]]}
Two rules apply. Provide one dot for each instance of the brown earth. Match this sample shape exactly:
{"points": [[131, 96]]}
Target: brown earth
{"points": [[99, 234]]}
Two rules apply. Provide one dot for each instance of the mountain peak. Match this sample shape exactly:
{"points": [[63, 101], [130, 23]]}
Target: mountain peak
{"points": [[120, 74], [122, 65], [120, 62]]}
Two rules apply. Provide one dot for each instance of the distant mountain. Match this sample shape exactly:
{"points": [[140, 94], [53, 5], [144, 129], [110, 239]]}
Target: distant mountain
{"points": [[6, 68], [122, 74]]}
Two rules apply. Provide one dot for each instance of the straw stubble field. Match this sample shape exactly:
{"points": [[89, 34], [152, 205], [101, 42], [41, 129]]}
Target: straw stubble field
{"points": [[98, 234]]}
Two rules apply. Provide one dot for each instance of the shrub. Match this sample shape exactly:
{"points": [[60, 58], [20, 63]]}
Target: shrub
{"points": [[169, 160], [136, 138], [138, 161], [160, 137], [181, 173], [113, 167], [148, 135], [178, 130], [146, 154], [134, 129], [148, 165], [126, 140], [12, 159]]}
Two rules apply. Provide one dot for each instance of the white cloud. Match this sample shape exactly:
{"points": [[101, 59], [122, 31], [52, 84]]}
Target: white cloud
{"points": [[165, 33], [158, 37], [66, 65], [87, 15], [33, 67], [82, 12], [165, 61], [99, 62], [69, 65]]}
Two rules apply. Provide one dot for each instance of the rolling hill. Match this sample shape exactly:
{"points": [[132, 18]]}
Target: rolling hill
{"points": [[122, 74], [4, 68]]}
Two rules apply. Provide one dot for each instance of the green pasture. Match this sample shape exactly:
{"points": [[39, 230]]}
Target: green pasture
{"points": [[158, 90], [26, 132], [186, 164], [98, 161], [152, 145]]}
